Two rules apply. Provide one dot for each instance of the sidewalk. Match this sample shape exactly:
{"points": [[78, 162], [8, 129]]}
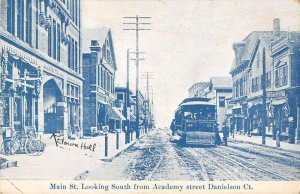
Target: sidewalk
{"points": [[65, 161], [257, 140]]}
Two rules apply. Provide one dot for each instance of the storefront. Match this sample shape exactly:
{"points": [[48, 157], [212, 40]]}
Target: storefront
{"points": [[237, 118], [19, 92], [38, 95], [280, 112]]}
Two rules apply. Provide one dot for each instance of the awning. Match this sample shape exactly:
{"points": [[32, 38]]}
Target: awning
{"points": [[278, 102], [251, 104], [229, 112], [237, 107], [115, 114]]}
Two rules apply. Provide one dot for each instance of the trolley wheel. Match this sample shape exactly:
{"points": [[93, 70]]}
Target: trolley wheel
{"points": [[9, 147]]}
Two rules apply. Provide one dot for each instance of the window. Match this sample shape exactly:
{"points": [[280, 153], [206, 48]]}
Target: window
{"points": [[268, 79], [49, 41], [284, 75], [120, 97], [54, 39], [37, 25], [28, 21], [255, 84], [102, 78], [277, 78], [76, 56], [233, 90], [20, 20], [69, 53], [99, 75], [222, 101], [58, 42], [281, 76], [11, 16], [68, 89], [237, 88], [241, 87], [257, 60], [73, 54]]}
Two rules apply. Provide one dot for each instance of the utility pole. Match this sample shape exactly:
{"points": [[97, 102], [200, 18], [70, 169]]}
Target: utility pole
{"points": [[147, 76], [137, 28], [127, 103], [264, 116], [152, 110]]}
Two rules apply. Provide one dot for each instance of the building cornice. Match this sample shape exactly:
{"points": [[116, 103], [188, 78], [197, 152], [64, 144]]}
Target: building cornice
{"points": [[36, 53]]}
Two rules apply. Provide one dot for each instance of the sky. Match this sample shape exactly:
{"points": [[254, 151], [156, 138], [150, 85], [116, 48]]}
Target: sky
{"points": [[189, 41]]}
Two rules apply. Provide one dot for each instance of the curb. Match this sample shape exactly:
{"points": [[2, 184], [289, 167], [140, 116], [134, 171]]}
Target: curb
{"points": [[268, 146], [117, 154], [121, 152]]}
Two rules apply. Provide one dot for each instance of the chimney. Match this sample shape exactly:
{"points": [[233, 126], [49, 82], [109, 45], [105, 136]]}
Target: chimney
{"points": [[276, 27], [95, 46]]}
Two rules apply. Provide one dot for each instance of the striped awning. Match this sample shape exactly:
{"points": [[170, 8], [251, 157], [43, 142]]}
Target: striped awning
{"points": [[115, 114]]}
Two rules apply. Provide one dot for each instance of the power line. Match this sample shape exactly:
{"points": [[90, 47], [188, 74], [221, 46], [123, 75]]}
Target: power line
{"points": [[137, 28]]}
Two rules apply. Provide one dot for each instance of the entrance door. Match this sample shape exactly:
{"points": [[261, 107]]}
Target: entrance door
{"points": [[53, 115]]}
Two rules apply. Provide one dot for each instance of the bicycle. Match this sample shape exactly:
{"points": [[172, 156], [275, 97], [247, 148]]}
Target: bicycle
{"points": [[23, 142]]}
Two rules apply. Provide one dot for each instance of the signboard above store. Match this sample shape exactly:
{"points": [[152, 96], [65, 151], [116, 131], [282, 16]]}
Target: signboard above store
{"points": [[276, 94]]}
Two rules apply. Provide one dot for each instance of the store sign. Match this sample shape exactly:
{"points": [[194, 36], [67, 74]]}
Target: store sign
{"points": [[1, 113], [277, 94]]}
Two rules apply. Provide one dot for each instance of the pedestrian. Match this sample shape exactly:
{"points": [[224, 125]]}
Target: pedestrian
{"points": [[172, 127], [225, 133], [260, 126], [291, 130], [218, 140]]}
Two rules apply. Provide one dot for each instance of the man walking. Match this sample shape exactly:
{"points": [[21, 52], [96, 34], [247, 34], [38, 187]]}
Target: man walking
{"points": [[225, 133]]}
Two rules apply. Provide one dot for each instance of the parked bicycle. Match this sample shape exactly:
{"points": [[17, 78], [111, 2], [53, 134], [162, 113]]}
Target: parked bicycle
{"points": [[23, 142]]}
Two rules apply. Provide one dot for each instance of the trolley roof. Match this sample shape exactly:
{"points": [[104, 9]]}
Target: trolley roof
{"points": [[198, 103]]}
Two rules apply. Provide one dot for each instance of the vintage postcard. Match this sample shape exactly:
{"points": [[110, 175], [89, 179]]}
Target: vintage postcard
{"points": [[150, 96]]}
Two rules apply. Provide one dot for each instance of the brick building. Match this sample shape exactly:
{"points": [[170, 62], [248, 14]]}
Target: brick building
{"points": [[99, 68], [41, 81]]}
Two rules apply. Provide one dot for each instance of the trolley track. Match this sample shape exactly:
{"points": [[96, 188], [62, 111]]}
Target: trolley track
{"points": [[238, 161]]}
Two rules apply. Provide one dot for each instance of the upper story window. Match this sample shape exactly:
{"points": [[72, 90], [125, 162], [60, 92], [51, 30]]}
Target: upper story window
{"points": [[20, 19], [222, 101], [257, 60], [120, 97], [11, 16], [268, 84], [255, 84], [281, 76]]}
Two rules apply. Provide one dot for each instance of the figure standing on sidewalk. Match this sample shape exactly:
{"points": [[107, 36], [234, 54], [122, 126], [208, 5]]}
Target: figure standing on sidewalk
{"points": [[260, 126], [172, 127], [291, 130], [225, 133]]}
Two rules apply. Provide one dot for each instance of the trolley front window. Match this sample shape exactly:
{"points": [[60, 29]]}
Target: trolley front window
{"points": [[199, 112]]}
